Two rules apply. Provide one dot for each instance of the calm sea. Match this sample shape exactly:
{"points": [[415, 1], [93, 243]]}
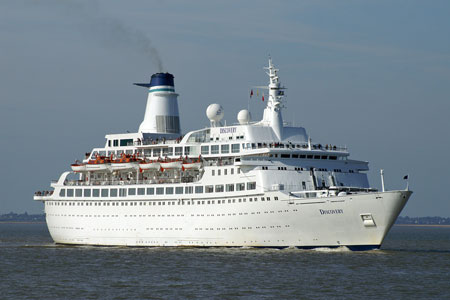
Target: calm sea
{"points": [[414, 263]]}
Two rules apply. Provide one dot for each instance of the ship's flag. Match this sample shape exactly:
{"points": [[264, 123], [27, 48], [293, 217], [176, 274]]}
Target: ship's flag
{"points": [[263, 97], [251, 93]]}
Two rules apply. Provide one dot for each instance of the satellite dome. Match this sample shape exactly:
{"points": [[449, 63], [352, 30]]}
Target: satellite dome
{"points": [[244, 117], [214, 112]]}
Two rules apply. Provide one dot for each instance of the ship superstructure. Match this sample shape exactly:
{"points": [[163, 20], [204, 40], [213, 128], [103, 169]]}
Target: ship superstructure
{"points": [[257, 184]]}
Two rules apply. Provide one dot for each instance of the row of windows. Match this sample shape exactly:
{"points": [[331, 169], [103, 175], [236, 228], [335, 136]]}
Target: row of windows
{"points": [[225, 172], [305, 156], [123, 192], [224, 149], [155, 152], [150, 203]]}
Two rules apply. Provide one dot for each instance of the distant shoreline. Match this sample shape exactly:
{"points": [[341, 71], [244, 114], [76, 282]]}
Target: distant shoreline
{"points": [[422, 225], [22, 222]]}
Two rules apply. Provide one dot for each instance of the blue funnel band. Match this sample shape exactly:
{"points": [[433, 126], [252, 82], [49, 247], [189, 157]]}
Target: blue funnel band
{"points": [[161, 79]]}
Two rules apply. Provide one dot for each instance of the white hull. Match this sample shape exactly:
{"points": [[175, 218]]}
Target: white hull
{"points": [[150, 166], [283, 223]]}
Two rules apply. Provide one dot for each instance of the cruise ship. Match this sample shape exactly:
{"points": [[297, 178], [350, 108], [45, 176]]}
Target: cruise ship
{"points": [[251, 184]]}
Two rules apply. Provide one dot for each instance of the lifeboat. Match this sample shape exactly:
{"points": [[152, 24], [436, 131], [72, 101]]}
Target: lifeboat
{"points": [[101, 163], [171, 164], [78, 167], [192, 165], [126, 162], [150, 165]]}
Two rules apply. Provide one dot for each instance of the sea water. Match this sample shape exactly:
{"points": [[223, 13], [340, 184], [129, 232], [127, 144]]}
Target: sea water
{"points": [[413, 263]]}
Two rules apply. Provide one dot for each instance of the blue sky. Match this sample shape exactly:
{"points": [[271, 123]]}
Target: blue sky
{"points": [[372, 75]]}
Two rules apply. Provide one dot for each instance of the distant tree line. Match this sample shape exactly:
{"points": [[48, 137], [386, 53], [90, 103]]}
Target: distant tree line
{"points": [[25, 217], [423, 220]]}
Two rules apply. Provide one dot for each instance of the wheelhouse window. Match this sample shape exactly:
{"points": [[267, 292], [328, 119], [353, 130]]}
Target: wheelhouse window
{"points": [[199, 189], [235, 148], [105, 192], [219, 188], [160, 191], [132, 191], [78, 192], [113, 192], [150, 191], [87, 192], [179, 190], [62, 193], [96, 192], [169, 190], [141, 191], [69, 192], [229, 187]]}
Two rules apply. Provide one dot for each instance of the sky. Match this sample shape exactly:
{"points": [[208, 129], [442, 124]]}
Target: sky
{"points": [[371, 75]]}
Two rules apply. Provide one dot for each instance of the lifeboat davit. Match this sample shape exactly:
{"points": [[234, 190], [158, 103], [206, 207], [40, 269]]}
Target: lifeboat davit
{"points": [[78, 167]]}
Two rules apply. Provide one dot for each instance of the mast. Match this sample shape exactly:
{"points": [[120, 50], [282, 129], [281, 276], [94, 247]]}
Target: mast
{"points": [[272, 112]]}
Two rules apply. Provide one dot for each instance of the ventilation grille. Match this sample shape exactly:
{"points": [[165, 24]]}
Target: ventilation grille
{"points": [[168, 124]]}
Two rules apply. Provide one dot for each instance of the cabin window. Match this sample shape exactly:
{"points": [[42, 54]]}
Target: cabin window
{"points": [[225, 149], [69, 192], [209, 189], [215, 149], [238, 171], [188, 189], [304, 185], [309, 156], [150, 191], [178, 151], [302, 156], [251, 185], [225, 171], [129, 152], [141, 191], [285, 155], [199, 189], [219, 188], [232, 171], [169, 190], [131, 191], [240, 186], [324, 157], [235, 148], [205, 150], [213, 172], [122, 192], [333, 157], [316, 156], [78, 192], [116, 143], [87, 192], [218, 172], [113, 192], [109, 143], [156, 152], [187, 150], [62, 193], [96, 192], [294, 155], [179, 190], [126, 142], [160, 191], [104, 192], [147, 152], [229, 187]]}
